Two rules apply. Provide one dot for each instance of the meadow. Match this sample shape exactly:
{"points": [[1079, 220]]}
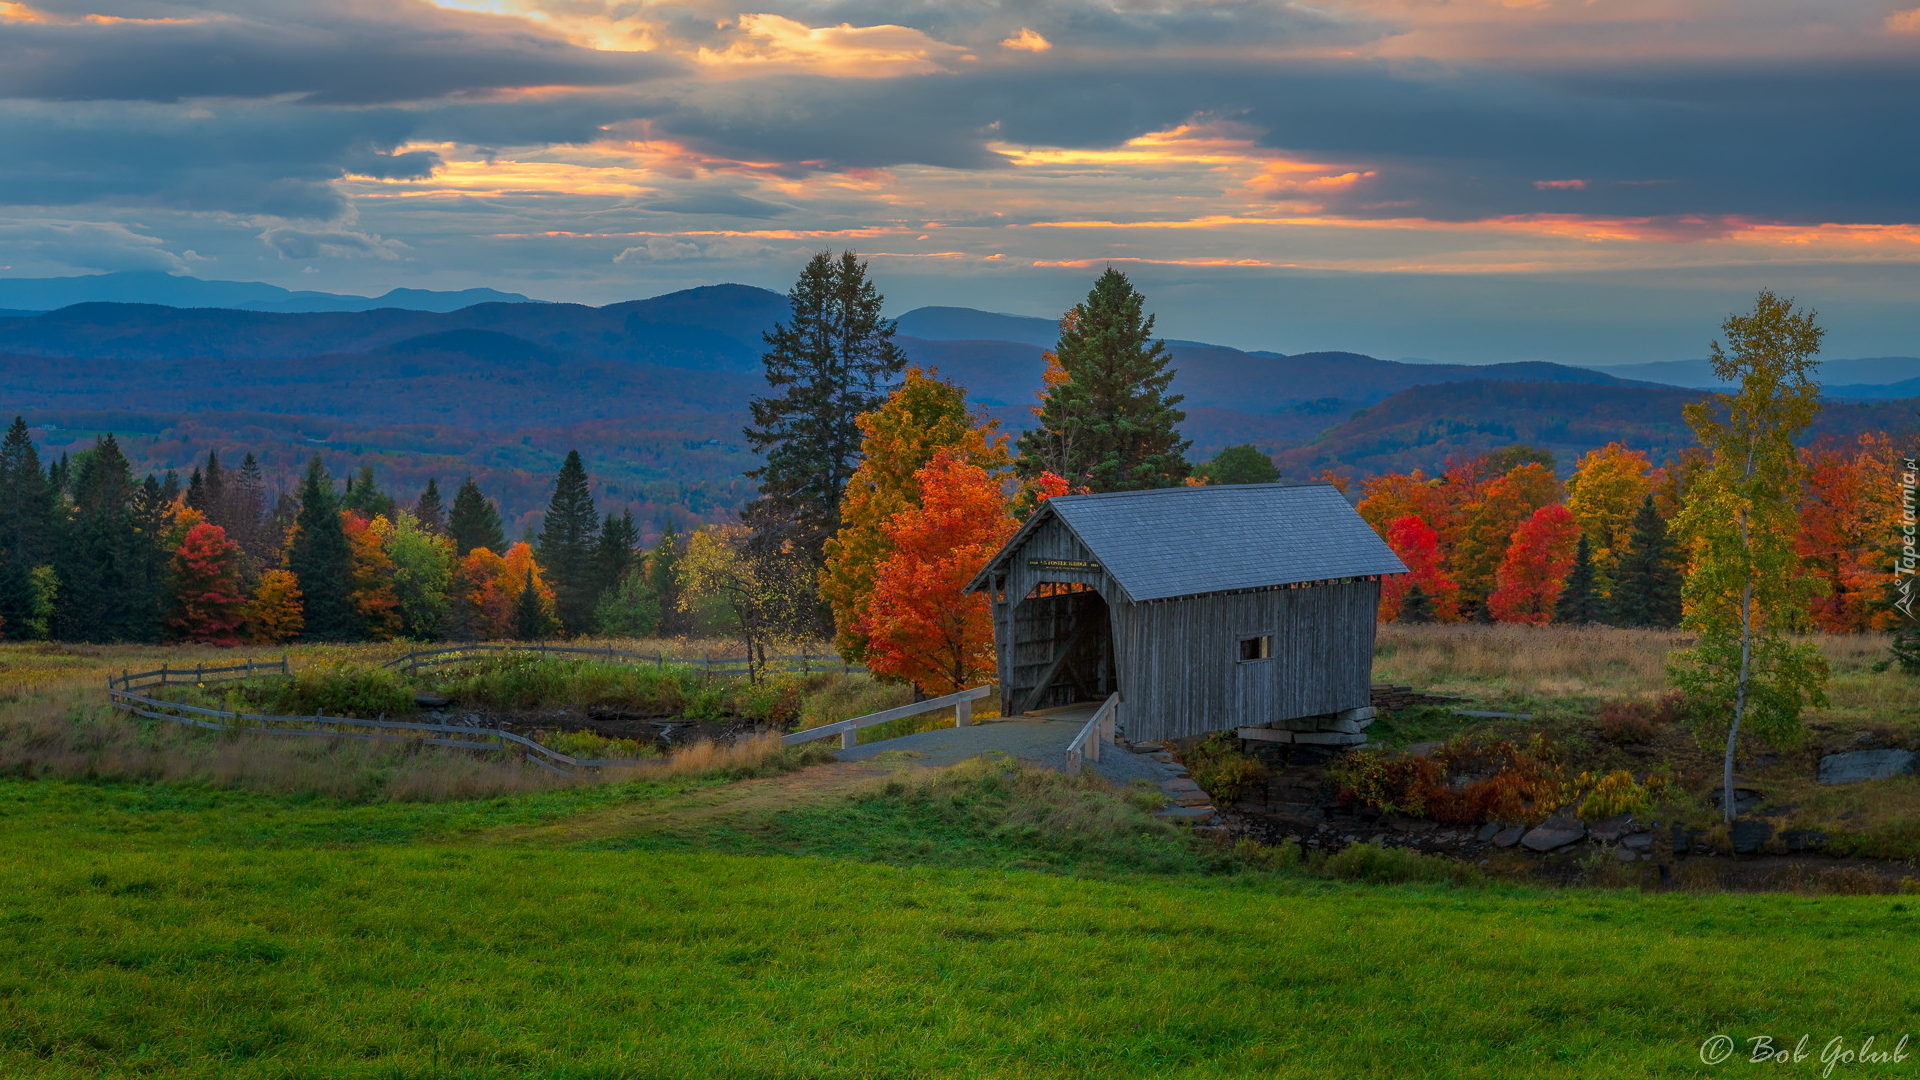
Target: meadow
{"points": [[775, 916]]}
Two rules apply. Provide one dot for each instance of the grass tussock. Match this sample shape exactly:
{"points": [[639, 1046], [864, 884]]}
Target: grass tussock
{"points": [[742, 759]]}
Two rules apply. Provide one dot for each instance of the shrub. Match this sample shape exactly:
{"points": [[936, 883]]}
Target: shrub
{"points": [[1387, 866], [591, 744], [1613, 795], [1221, 770], [1515, 784], [337, 689], [1636, 721]]}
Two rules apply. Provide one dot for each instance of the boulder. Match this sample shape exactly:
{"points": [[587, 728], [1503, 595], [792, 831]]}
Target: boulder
{"points": [[1682, 840], [1625, 853], [1748, 835], [1487, 832], [1509, 837], [1799, 840], [1612, 829], [1857, 765], [1554, 833], [431, 701], [1744, 799], [1637, 842]]}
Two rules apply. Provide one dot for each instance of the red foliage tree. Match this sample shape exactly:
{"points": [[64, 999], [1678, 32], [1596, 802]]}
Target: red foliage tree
{"points": [[208, 602], [1418, 545], [1535, 569], [919, 625]]}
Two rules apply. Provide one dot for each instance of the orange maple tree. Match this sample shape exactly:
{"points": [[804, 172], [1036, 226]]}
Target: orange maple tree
{"points": [[1846, 517], [919, 625], [372, 593], [1535, 567], [1486, 525], [208, 603], [274, 614], [1419, 547], [494, 583]]}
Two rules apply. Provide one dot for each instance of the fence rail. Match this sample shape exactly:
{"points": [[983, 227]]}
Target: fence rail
{"points": [[168, 675], [803, 663], [344, 727], [849, 730], [1099, 729]]}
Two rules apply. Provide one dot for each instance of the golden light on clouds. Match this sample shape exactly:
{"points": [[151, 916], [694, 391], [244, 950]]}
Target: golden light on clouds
{"points": [[774, 42], [1027, 41], [1903, 22]]}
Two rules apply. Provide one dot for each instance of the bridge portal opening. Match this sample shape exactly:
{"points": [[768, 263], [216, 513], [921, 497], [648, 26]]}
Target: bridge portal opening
{"points": [[1062, 648]]}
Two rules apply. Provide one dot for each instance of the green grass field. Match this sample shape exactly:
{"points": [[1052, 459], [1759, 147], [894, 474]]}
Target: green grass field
{"points": [[670, 930]]}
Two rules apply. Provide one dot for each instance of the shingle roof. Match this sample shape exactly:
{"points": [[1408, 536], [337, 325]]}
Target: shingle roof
{"points": [[1184, 541]]}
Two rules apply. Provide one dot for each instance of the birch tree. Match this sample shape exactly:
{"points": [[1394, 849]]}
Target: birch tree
{"points": [[1745, 593]]}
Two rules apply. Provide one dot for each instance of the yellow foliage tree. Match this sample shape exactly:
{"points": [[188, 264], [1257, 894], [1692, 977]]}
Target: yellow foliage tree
{"points": [[372, 593], [1603, 494], [1487, 523], [273, 615], [924, 416]]}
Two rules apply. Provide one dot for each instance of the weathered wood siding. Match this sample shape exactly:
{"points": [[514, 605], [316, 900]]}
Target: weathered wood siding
{"points": [[1177, 662], [1180, 669]]}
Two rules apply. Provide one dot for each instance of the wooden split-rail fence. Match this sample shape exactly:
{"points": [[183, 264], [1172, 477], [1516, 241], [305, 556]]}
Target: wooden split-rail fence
{"points": [[1100, 728], [803, 664]]}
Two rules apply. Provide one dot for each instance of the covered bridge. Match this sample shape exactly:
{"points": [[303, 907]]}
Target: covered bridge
{"points": [[1243, 606]]}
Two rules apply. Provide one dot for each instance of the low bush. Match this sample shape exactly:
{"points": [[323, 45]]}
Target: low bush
{"points": [[592, 745], [337, 689], [1639, 721], [1502, 781], [1616, 794], [1387, 866], [1221, 770]]}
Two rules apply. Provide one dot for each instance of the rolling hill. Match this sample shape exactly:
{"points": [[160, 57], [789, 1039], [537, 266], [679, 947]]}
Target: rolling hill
{"points": [[31, 295]]}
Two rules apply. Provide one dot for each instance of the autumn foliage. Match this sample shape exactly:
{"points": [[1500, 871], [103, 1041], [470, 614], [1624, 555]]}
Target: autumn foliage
{"points": [[1418, 545], [1535, 567], [273, 615], [920, 626], [494, 584], [372, 594], [209, 605]]}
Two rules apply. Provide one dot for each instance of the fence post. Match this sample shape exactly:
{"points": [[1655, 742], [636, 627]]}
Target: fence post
{"points": [[963, 713], [849, 738], [660, 661], [199, 673], [249, 667], [163, 673]]}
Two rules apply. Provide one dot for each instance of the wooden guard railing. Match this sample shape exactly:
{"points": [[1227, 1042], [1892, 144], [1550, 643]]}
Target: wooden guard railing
{"points": [[1101, 728], [167, 675], [804, 663], [849, 730]]}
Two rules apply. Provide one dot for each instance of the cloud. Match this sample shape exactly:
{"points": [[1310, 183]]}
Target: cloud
{"points": [[88, 245], [320, 51], [311, 244], [723, 203], [775, 43], [659, 249], [1026, 41]]}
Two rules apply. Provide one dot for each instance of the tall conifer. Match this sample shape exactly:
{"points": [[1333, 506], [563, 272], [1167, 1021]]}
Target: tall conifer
{"points": [[615, 554], [1110, 425], [1579, 603], [107, 574], [428, 511], [475, 521], [321, 558], [26, 525], [832, 360], [566, 546], [1646, 587]]}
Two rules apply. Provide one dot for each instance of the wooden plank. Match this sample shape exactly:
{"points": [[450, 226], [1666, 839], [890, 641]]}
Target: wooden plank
{"points": [[898, 713]]}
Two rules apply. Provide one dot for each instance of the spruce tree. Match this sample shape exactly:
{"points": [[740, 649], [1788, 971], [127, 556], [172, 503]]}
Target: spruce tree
{"points": [[832, 360], [1646, 583], [1416, 606], [321, 558], [614, 555], [364, 497], [566, 546], [428, 512], [1110, 426], [475, 521], [106, 579], [530, 621], [249, 528], [213, 491], [1579, 603], [26, 529]]}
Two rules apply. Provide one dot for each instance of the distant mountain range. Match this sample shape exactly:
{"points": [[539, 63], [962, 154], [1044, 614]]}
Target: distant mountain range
{"points": [[28, 295], [654, 392], [1870, 377]]}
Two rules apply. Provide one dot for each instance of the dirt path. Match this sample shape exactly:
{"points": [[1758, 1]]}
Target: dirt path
{"points": [[745, 806]]}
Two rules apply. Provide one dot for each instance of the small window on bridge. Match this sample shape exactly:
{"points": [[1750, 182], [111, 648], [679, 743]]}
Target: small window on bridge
{"points": [[1256, 648]]}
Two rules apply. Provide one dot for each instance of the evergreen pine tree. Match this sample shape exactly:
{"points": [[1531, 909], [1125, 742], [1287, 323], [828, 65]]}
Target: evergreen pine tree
{"points": [[248, 528], [1579, 603], [475, 521], [213, 483], [106, 588], [663, 577], [566, 546], [364, 497], [530, 620], [428, 512], [170, 487], [614, 555], [196, 495], [59, 475], [1646, 586], [1110, 426], [1416, 606], [322, 561], [833, 359], [26, 529]]}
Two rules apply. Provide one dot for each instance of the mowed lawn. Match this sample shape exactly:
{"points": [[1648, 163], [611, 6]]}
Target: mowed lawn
{"points": [[170, 931]]}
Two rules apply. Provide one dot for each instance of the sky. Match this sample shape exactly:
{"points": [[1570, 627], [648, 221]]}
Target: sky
{"points": [[1589, 181]]}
